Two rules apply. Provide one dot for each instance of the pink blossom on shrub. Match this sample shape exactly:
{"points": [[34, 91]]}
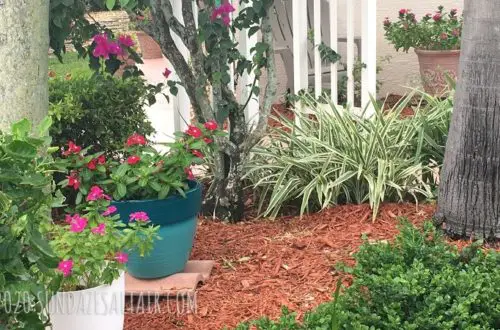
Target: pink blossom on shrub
{"points": [[99, 230], [65, 266], [139, 216], [105, 47], [193, 131], [136, 139], [72, 149], [223, 12], [132, 160], [78, 224], [211, 125], [121, 257], [96, 193], [110, 210], [166, 73], [437, 17], [73, 180]]}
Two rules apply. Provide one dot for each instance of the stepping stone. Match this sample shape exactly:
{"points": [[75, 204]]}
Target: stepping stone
{"points": [[195, 273]]}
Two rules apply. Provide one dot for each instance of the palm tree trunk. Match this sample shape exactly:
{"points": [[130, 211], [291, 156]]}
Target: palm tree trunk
{"points": [[469, 197], [24, 45]]}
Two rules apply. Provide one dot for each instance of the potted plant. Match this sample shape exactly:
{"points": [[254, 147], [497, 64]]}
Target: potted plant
{"points": [[436, 40], [149, 48], [93, 249], [161, 184]]}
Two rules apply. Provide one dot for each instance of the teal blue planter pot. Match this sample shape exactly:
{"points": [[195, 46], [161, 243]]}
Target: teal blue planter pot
{"points": [[177, 218]]}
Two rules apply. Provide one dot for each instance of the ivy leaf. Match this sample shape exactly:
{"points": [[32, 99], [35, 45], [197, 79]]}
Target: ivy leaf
{"points": [[110, 4]]}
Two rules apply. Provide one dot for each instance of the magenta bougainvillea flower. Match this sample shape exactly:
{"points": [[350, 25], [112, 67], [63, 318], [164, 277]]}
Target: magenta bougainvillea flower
{"points": [[105, 47], [126, 40], [65, 266], [132, 160], [99, 230], [193, 131], [121, 257], [96, 193], [223, 12], [139, 216], [166, 73], [136, 139], [403, 11], [110, 210]]}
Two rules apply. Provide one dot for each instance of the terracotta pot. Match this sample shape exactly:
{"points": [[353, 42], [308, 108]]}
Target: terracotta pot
{"points": [[149, 47], [434, 66]]}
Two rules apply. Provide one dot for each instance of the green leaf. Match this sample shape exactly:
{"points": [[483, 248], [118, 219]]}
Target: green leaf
{"points": [[121, 189], [44, 126], [110, 4], [21, 149], [21, 128]]}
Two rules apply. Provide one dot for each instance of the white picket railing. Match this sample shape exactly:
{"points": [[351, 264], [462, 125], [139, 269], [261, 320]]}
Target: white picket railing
{"points": [[301, 44]]}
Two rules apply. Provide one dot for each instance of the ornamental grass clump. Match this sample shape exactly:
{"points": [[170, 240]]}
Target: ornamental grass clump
{"points": [[434, 31]]}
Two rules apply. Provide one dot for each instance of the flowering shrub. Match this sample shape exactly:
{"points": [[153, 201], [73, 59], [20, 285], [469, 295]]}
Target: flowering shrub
{"points": [[142, 172], [93, 247], [435, 31]]}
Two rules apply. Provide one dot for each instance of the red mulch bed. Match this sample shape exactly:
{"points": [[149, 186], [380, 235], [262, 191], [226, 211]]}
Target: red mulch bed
{"points": [[263, 265]]}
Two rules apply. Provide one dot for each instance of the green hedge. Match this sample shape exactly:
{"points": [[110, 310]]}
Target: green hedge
{"points": [[101, 111], [417, 282]]}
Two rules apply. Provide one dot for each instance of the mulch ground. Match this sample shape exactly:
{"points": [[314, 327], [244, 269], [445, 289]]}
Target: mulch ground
{"points": [[263, 265]]}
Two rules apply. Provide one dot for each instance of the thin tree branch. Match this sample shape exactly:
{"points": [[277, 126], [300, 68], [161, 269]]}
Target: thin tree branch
{"points": [[270, 91], [172, 21]]}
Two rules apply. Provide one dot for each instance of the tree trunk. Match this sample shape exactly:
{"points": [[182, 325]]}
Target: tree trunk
{"points": [[469, 197], [24, 45]]}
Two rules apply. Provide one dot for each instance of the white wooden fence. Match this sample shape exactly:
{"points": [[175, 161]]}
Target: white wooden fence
{"points": [[366, 23]]}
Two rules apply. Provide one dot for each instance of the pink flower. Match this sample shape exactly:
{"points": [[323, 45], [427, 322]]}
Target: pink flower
{"points": [[403, 11], [126, 40], [444, 36], [437, 17], [139, 216], [207, 140], [197, 153], [73, 180], [65, 266], [189, 173], [132, 160], [72, 149], [121, 257], [105, 47], [68, 218], [136, 139], [223, 12], [99, 230], [193, 131], [96, 193], [92, 165], [101, 160], [166, 73], [211, 125], [78, 224], [110, 210]]}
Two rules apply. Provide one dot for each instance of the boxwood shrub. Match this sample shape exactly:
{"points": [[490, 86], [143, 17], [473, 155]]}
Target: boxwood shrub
{"points": [[416, 282], [100, 110]]}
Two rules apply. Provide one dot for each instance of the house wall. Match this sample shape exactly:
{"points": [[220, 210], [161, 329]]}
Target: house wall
{"points": [[402, 69]]}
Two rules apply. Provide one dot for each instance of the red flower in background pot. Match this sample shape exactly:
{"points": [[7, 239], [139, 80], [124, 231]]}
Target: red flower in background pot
{"points": [[189, 173], [92, 165], [207, 140], [132, 160], [197, 153], [73, 180], [211, 125], [72, 149], [193, 131], [101, 160]]}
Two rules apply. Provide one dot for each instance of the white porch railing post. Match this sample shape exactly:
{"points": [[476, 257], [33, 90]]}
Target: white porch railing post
{"points": [[182, 105], [350, 51], [317, 42], [369, 54], [246, 43], [334, 45], [300, 67]]}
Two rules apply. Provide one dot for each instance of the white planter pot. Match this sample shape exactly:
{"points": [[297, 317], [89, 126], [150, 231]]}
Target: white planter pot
{"points": [[101, 307]]}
